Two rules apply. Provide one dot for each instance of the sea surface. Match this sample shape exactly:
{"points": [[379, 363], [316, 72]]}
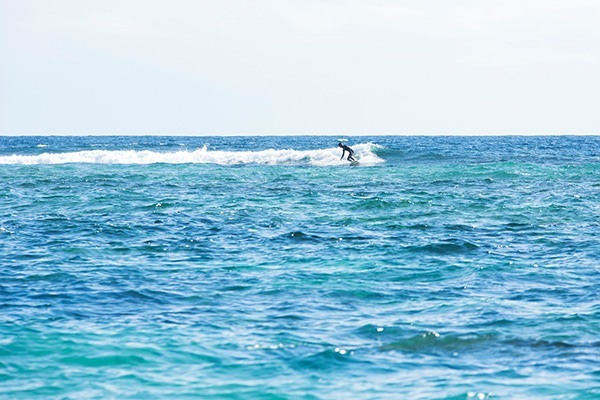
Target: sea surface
{"points": [[267, 268]]}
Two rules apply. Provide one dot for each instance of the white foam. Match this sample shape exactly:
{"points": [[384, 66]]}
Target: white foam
{"points": [[320, 157]]}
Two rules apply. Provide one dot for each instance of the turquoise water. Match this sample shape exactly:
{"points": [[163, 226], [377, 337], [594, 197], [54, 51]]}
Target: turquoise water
{"points": [[266, 268]]}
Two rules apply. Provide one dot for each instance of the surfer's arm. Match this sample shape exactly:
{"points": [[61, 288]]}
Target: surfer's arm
{"points": [[343, 152]]}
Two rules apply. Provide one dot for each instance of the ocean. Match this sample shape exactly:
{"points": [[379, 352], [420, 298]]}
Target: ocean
{"points": [[145, 267]]}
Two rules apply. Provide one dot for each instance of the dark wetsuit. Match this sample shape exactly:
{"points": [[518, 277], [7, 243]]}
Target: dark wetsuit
{"points": [[349, 150]]}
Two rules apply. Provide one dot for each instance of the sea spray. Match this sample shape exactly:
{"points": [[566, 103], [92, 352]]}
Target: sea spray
{"points": [[317, 157]]}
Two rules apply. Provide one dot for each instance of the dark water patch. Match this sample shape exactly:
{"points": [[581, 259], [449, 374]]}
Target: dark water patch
{"points": [[419, 227], [520, 226], [134, 296], [298, 237], [546, 344], [491, 323], [433, 342], [446, 247], [357, 294], [237, 288], [53, 296], [152, 248], [60, 277], [290, 317], [459, 227], [458, 181]]}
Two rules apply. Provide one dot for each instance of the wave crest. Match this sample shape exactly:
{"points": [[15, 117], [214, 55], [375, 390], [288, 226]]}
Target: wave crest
{"points": [[365, 152]]}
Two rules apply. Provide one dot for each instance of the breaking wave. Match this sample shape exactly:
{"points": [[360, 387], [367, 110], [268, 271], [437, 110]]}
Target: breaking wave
{"points": [[364, 152]]}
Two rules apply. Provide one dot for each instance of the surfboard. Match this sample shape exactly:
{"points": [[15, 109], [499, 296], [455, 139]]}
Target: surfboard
{"points": [[354, 163]]}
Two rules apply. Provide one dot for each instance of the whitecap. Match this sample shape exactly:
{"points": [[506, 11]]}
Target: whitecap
{"points": [[319, 157]]}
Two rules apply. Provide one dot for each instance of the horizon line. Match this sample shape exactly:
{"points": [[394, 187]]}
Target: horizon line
{"points": [[296, 134]]}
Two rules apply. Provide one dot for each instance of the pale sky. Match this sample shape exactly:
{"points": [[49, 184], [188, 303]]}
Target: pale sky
{"points": [[230, 67]]}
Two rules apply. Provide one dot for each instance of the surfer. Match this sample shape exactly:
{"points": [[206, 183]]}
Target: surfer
{"points": [[346, 149]]}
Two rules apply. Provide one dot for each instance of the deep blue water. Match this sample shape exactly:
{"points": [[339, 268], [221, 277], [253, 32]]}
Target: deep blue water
{"points": [[266, 268]]}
